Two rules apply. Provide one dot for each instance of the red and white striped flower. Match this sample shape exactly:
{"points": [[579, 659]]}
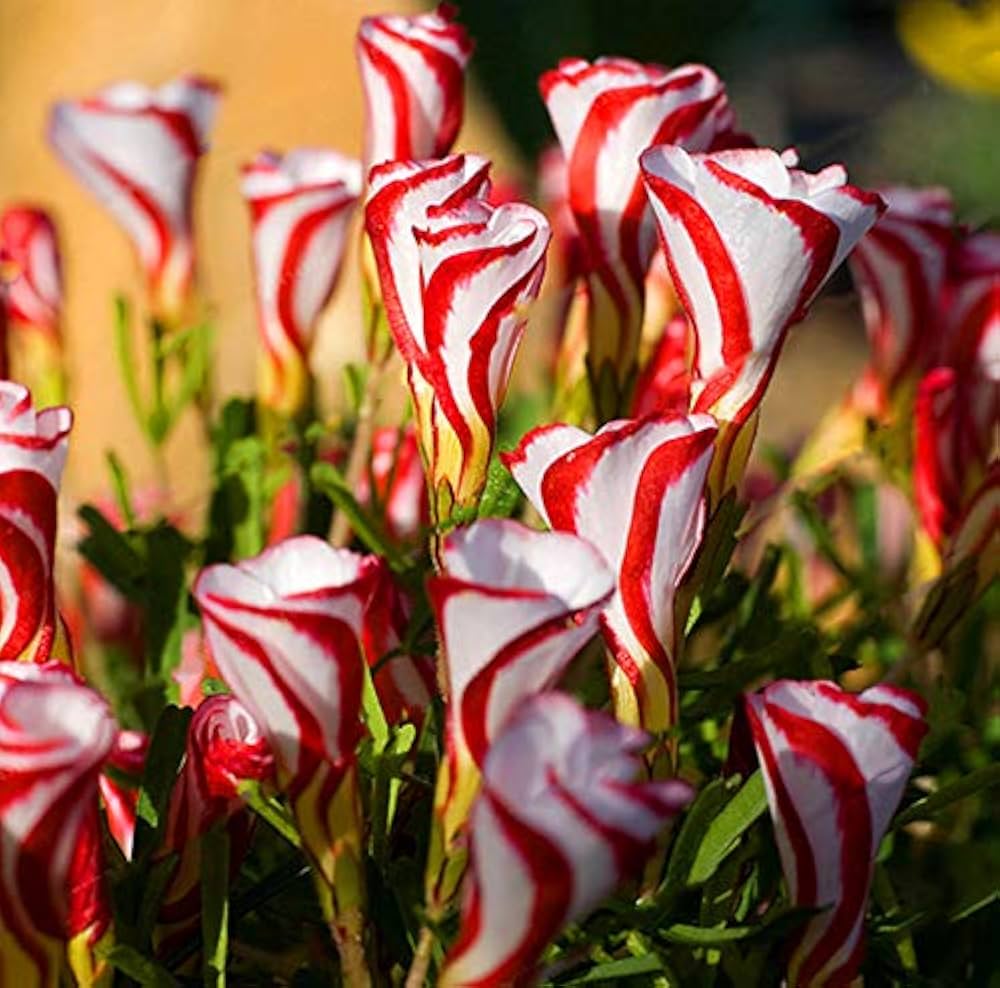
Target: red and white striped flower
{"points": [[606, 114], [413, 79], [137, 149], [664, 385], [404, 683], [560, 822], [835, 766], [28, 243], [900, 267], [396, 487], [225, 747], [55, 734], [284, 630], [128, 758], [513, 607], [300, 205], [4, 354], [636, 491], [749, 241], [958, 403], [457, 276], [32, 455]]}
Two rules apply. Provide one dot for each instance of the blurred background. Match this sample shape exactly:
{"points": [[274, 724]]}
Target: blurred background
{"points": [[897, 91]]}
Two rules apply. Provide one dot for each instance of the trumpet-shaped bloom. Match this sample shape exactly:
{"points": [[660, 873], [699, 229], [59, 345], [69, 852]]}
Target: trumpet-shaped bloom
{"points": [[137, 149], [300, 206], [513, 607], [835, 765], [457, 275], [55, 734], [32, 455], [635, 490], [749, 241], [413, 78], [28, 243], [605, 115], [127, 757], [225, 747], [284, 630], [900, 267], [559, 823]]}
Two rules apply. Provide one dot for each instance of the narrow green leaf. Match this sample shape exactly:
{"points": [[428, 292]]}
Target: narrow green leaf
{"points": [[126, 360], [215, 906], [699, 936], [971, 784], [355, 382], [166, 749], [112, 554], [724, 832], [196, 356], [501, 496], [119, 484], [137, 966], [374, 716], [271, 811], [625, 967]]}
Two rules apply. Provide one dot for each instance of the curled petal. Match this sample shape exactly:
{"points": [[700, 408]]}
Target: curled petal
{"points": [[653, 471], [412, 77], [900, 267], [300, 206], [559, 823], [664, 386], [457, 275], [28, 243], [32, 455], [729, 222], [606, 113], [128, 757], [835, 766], [225, 747], [55, 734], [137, 149], [396, 485]]}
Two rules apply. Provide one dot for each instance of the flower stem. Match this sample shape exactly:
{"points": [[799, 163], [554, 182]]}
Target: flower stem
{"points": [[417, 975]]}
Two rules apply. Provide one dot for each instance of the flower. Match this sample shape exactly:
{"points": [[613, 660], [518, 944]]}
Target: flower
{"points": [[513, 607], [396, 485], [749, 241], [457, 275], [900, 267], [32, 455], [137, 149], [284, 629], [606, 114], [835, 766], [55, 734], [127, 757], [559, 823], [300, 205], [412, 77], [404, 683], [225, 747], [664, 385], [635, 490], [28, 242]]}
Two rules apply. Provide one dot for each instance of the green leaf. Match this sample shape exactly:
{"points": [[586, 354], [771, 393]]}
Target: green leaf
{"points": [[625, 967], [196, 357], [215, 906], [355, 382], [112, 554], [327, 479], [119, 484], [166, 596], [137, 966], [374, 716], [700, 936], [166, 749], [724, 832], [501, 495], [274, 813], [971, 784], [243, 474]]}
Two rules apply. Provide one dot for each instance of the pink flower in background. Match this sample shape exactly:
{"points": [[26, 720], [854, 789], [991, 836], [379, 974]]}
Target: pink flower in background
{"points": [[300, 205], [728, 222], [29, 244], [457, 278], [606, 113], [900, 267], [413, 81], [33, 447], [55, 735], [559, 823], [835, 766], [137, 150], [635, 490], [395, 486]]}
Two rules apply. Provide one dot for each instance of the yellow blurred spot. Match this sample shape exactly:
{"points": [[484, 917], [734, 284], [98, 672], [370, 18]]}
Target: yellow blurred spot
{"points": [[957, 43]]}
